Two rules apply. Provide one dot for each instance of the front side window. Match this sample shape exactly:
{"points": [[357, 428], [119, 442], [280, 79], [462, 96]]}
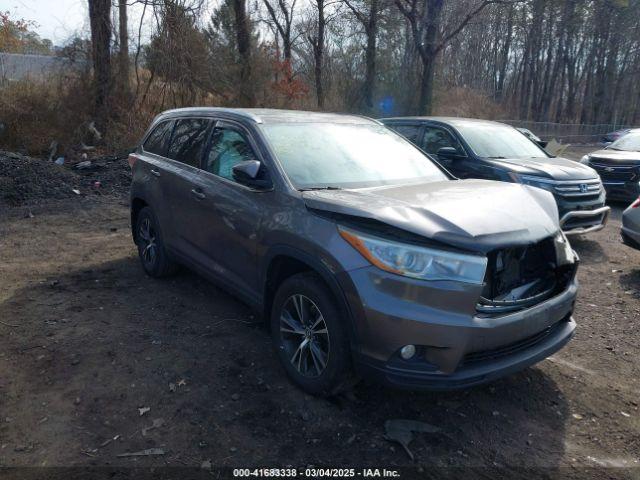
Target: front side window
{"points": [[347, 155], [188, 140], [228, 148], [410, 132], [490, 140], [158, 140], [436, 138], [629, 142]]}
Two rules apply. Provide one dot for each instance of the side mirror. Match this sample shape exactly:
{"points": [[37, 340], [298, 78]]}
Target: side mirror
{"points": [[449, 152], [246, 173]]}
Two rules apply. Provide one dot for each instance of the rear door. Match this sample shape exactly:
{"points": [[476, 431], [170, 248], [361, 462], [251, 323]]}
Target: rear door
{"points": [[149, 175], [188, 141]]}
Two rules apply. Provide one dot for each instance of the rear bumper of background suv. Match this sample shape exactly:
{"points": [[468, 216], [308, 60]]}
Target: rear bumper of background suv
{"points": [[456, 347]]}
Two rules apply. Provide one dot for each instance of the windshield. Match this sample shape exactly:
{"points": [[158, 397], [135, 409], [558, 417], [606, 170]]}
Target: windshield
{"points": [[499, 141], [629, 142], [321, 155]]}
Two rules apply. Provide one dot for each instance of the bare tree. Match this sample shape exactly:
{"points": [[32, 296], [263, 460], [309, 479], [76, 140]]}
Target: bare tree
{"points": [[425, 20], [100, 20], [243, 38], [367, 13], [283, 22], [123, 53]]}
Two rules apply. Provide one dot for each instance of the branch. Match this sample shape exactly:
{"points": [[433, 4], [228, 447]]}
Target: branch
{"points": [[468, 18]]}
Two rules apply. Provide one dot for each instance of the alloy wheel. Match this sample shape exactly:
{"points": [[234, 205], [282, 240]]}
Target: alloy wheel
{"points": [[304, 334], [147, 238]]}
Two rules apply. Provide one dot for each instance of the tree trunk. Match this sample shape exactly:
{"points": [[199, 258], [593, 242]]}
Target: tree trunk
{"points": [[100, 20], [425, 103], [123, 54], [318, 53], [370, 57], [244, 50]]}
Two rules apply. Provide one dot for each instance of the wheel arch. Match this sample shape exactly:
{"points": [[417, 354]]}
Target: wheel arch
{"points": [[283, 262], [137, 204]]}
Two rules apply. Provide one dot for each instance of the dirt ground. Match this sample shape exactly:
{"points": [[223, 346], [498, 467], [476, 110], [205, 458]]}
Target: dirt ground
{"points": [[87, 341]]}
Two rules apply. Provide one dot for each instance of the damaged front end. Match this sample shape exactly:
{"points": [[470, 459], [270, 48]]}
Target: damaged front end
{"points": [[522, 276]]}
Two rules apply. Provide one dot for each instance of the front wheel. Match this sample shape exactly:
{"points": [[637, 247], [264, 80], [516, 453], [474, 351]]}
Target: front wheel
{"points": [[309, 334]]}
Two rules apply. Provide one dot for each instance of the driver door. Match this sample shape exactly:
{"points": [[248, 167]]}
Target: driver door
{"points": [[230, 213]]}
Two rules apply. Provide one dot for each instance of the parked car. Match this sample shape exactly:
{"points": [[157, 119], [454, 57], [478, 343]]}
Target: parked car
{"points": [[471, 148], [631, 225], [619, 166], [533, 137], [358, 250], [613, 136]]}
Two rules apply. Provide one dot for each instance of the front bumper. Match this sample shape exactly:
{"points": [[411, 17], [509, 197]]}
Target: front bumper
{"points": [[457, 348], [593, 220]]}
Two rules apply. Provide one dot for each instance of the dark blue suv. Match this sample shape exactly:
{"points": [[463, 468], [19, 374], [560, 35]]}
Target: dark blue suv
{"points": [[471, 148]]}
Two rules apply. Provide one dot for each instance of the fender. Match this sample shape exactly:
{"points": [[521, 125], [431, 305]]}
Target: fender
{"points": [[322, 269]]}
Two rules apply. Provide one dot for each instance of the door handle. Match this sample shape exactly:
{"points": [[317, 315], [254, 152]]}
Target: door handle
{"points": [[155, 172], [198, 195]]}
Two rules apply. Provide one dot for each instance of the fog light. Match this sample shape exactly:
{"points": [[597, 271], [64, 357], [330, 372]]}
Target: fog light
{"points": [[407, 351]]}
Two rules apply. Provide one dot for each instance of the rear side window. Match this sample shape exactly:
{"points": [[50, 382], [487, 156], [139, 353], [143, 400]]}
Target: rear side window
{"points": [[410, 132], [188, 140], [158, 139]]}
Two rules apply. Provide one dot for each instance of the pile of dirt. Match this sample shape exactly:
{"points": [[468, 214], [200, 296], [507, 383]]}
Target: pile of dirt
{"points": [[105, 174], [28, 180]]}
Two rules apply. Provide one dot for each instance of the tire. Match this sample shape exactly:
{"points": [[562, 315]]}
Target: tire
{"points": [[151, 250], [316, 359]]}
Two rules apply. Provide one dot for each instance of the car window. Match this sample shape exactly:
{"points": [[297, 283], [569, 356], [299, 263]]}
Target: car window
{"points": [[436, 138], [410, 132], [228, 148], [158, 139], [317, 155], [188, 140]]}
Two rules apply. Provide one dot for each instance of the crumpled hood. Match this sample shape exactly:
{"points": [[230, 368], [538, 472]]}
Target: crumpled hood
{"points": [[475, 215], [613, 156], [557, 168]]}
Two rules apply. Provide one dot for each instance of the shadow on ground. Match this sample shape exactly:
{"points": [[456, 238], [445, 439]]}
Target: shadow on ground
{"points": [[94, 346]]}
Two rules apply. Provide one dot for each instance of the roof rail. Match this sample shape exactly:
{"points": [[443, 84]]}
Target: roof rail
{"points": [[235, 111]]}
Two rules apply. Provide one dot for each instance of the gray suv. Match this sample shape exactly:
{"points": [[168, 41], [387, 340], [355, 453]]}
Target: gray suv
{"points": [[361, 253]]}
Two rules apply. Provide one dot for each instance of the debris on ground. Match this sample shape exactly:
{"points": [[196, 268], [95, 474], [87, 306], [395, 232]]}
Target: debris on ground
{"points": [[26, 180], [143, 410], [401, 431], [143, 453], [157, 423]]}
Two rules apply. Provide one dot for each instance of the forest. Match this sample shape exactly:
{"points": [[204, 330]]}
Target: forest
{"points": [[566, 61]]}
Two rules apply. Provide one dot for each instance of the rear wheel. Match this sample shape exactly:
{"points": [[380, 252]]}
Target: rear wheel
{"points": [[151, 250], [309, 335]]}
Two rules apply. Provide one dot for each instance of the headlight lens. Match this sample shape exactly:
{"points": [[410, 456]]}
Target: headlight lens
{"points": [[533, 181], [417, 262], [585, 160]]}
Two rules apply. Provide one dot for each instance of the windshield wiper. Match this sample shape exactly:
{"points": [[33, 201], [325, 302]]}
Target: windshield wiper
{"points": [[497, 158], [328, 187]]}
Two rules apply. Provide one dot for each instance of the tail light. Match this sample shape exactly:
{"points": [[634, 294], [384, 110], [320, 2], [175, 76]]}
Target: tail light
{"points": [[636, 204], [132, 159]]}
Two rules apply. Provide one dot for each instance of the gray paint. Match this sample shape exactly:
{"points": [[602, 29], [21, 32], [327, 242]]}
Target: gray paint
{"points": [[233, 233]]}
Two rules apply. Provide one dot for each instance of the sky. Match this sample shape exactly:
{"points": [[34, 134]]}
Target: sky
{"points": [[59, 20]]}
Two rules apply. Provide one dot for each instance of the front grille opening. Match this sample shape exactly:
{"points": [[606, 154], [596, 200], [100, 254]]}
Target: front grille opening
{"points": [[520, 277]]}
